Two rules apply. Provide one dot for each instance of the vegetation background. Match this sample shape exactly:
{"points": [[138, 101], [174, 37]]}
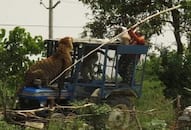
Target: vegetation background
{"points": [[167, 74]]}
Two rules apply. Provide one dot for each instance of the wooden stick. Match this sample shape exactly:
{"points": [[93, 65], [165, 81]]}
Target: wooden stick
{"points": [[137, 120], [113, 39], [25, 125], [51, 109]]}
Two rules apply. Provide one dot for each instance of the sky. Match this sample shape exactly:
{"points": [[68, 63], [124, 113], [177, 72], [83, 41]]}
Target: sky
{"points": [[68, 20]]}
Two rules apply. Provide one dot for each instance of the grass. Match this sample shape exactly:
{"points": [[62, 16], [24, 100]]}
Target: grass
{"points": [[153, 99], [5, 126]]}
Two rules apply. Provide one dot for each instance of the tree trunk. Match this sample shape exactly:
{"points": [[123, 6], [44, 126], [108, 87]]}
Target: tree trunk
{"points": [[189, 42], [176, 25]]}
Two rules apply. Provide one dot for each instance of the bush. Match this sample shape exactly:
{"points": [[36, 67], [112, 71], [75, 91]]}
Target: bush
{"points": [[175, 73]]}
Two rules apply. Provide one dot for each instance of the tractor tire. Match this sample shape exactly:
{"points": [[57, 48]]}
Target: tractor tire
{"points": [[57, 116], [119, 118]]}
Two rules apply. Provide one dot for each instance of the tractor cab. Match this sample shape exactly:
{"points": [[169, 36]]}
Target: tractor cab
{"points": [[95, 73], [103, 75]]}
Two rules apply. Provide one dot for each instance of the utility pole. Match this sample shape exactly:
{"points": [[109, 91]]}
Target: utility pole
{"points": [[50, 27], [50, 23]]}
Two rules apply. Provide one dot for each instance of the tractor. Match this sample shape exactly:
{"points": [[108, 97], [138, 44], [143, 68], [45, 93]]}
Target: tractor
{"points": [[104, 85]]}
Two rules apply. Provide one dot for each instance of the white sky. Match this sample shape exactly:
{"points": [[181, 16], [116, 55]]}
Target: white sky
{"points": [[70, 14]]}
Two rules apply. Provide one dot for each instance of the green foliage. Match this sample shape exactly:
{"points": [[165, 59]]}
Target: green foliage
{"points": [[98, 114], [88, 118], [152, 67], [154, 106], [175, 73], [6, 126], [15, 52], [186, 5], [124, 13], [157, 125], [5, 96], [109, 13], [66, 124], [98, 109], [95, 117]]}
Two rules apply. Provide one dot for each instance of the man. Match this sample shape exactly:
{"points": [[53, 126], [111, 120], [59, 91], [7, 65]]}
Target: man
{"points": [[127, 61]]}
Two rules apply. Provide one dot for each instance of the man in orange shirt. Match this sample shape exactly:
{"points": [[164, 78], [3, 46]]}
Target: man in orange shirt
{"points": [[136, 38], [127, 61]]}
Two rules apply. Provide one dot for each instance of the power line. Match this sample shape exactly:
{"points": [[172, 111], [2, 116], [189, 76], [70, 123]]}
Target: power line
{"points": [[37, 26], [70, 2]]}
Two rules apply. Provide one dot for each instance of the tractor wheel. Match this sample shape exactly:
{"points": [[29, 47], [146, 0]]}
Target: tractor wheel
{"points": [[56, 121], [57, 116], [119, 117]]}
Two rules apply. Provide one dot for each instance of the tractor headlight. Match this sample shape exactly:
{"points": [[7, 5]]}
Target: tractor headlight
{"points": [[43, 104]]}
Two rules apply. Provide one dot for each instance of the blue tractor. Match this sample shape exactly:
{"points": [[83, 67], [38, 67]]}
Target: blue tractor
{"points": [[101, 83]]}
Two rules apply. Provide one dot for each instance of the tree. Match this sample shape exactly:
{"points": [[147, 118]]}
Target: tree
{"points": [[108, 13], [175, 73], [15, 52]]}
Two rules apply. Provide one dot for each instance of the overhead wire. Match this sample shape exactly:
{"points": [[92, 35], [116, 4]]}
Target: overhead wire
{"points": [[70, 2], [38, 25], [45, 26]]}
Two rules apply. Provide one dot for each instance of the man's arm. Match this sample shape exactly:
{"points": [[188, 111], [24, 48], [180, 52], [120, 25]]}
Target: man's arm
{"points": [[135, 37]]}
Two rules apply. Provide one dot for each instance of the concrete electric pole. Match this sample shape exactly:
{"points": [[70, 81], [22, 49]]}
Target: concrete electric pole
{"points": [[50, 8]]}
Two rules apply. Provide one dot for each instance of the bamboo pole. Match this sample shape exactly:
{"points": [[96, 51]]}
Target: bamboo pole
{"points": [[114, 39]]}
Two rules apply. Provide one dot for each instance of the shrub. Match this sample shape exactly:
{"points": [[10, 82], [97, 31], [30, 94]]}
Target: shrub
{"points": [[175, 73]]}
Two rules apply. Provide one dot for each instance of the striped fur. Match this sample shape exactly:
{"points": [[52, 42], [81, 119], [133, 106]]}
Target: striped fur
{"points": [[49, 68]]}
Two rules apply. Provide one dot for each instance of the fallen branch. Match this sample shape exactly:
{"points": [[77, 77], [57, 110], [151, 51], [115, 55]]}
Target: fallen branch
{"points": [[27, 124], [51, 109]]}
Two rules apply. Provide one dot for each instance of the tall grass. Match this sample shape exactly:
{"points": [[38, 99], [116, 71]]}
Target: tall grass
{"points": [[153, 106]]}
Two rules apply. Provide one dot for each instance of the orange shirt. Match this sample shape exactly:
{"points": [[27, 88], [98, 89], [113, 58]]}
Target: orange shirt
{"points": [[136, 39]]}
